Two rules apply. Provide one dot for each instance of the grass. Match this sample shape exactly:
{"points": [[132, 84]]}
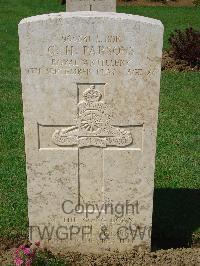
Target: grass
{"points": [[177, 182], [177, 196], [178, 131], [171, 17]]}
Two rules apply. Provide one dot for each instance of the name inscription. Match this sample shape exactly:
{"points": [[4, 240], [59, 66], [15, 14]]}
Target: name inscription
{"points": [[83, 55]]}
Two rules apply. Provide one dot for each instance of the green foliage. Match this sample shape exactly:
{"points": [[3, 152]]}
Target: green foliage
{"points": [[185, 45]]}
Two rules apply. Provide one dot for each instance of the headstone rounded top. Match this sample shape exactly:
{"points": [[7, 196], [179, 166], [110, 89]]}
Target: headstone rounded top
{"points": [[92, 14]]}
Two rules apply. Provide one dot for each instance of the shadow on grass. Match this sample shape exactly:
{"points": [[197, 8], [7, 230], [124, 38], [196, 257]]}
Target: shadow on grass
{"points": [[176, 216]]}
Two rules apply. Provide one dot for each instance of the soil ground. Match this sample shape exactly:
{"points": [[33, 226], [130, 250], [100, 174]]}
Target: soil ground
{"points": [[169, 257], [175, 257], [163, 257]]}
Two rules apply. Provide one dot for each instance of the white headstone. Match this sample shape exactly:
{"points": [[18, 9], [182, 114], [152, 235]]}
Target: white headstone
{"points": [[91, 5], [90, 99]]}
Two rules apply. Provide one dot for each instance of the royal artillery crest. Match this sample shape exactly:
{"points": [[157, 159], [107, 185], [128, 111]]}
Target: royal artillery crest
{"points": [[93, 126]]}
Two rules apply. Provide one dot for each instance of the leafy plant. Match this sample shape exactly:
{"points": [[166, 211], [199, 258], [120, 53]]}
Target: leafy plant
{"points": [[185, 45]]}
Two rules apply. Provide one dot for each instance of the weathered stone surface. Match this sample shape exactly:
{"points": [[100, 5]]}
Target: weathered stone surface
{"points": [[90, 98], [91, 5]]}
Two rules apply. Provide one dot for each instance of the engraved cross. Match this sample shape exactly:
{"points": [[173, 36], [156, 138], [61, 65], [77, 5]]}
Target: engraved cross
{"points": [[93, 134]]}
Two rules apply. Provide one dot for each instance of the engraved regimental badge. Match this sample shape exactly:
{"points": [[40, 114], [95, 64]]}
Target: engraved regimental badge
{"points": [[93, 126]]}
